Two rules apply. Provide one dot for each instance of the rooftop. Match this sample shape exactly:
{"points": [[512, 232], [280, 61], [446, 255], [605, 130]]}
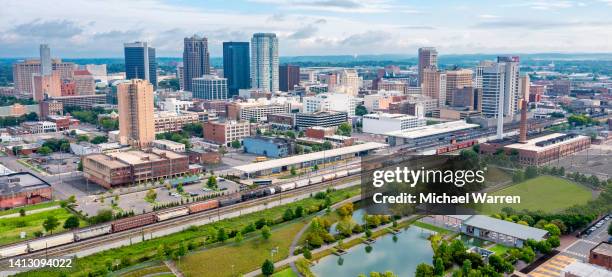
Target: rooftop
{"points": [[431, 130], [505, 227], [388, 116], [20, 182], [586, 270], [603, 249], [546, 142], [133, 157], [254, 167]]}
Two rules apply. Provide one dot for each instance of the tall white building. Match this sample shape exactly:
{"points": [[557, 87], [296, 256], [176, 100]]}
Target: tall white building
{"points": [[209, 87], [264, 61], [382, 123], [338, 102], [500, 89]]}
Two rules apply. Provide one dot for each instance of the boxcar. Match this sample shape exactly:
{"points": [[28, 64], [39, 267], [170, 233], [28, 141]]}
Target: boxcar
{"points": [[14, 250], [328, 177], [92, 231], [302, 183], [286, 187], [341, 173], [133, 222], [203, 206], [51, 241], [165, 215], [316, 180]]}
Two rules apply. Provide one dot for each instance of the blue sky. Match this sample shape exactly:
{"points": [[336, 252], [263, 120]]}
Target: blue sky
{"points": [[95, 28]]}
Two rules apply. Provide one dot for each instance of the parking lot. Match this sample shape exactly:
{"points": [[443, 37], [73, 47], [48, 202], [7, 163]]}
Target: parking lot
{"points": [[580, 248], [136, 202], [594, 161]]}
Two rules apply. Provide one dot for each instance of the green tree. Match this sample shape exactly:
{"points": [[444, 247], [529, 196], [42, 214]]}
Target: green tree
{"points": [[307, 253], [288, 215], [151, 196], [81, 138], [552, 229], [293, 171], [71, 222], [424, 270], [531, 172], [44, 150], [221, 235], [238, 238], [265, 232], [212, 182], [99, 139], [466, 267], [50, 224], [267, 268], [299, 211], [345, 129], [517, 177], [22, 212], [610, 229], [327, 145], [361, 110], [236, 144]]}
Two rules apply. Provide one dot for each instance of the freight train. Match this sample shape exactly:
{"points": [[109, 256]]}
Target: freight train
{"points": [[456, 146], [124, 224]]}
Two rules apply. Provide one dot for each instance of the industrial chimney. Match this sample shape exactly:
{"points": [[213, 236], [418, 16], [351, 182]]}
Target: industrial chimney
{"points": [[523, 127]]}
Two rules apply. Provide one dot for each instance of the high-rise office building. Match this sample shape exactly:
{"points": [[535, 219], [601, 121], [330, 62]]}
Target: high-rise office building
{"points": [[209, 87], [45, 60], [349, 82], [236, 66], [500, 89], [428, 57], [136, 122], [196, 59], [264, 61], [457, 79], [23, 72], [289, 76], [433, 84], [140, 62]]}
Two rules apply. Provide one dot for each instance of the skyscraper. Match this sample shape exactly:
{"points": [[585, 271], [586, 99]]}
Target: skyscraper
{"points": [[45, 60], [196, 59], [428, 57], [264, 61], [457, 79], [433, 84], [500, 89], [236, 66], [136, 122], [209, 87], [140, 62], [289, 76]]}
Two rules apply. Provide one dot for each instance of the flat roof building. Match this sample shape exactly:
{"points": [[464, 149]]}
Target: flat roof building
{"points": [[501, 231], [442, 132], [382, 123], [307, 160], [601, 255], [322, 119], [23, 188], [548, 148]]}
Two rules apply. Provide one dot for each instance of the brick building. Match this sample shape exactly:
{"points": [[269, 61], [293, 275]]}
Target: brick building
{"points": [[23, 188]]}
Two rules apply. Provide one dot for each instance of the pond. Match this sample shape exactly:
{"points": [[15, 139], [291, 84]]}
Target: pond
{"points": [[401, 256]]}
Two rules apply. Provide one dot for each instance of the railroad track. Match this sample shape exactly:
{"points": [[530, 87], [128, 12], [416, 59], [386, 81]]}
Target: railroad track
{"points": [[212, 215]]}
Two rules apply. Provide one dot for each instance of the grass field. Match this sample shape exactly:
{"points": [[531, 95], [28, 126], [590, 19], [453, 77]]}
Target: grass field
{"points": [[288, 272], [499, 249], [10, 228], [30, 207], [545, 193], [430, 227], [244, 257], [495, 175]]}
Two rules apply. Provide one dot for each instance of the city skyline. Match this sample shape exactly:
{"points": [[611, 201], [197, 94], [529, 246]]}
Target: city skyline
{"points": [[309, 27]]}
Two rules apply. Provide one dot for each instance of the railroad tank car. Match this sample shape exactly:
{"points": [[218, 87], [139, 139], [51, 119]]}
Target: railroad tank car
{"points": [[328, 177], [286, 187], [302, 183], [230, 200], [14, 250], [341, 173], [92, 231], [354, 171], [165, 215], [203, 206], [51, 241], [253, 194], [133, 222], [269, 190], [316, 180]]}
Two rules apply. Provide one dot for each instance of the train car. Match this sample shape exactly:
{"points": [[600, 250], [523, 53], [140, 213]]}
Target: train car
{"points": [[133, 222], [14, 250], [354, 171], [328, 177], [288, 186], [165, 215], [269, 191], [342, 173], [51, 241], [230, 200], [92, 231], [316, 180], [302, 183], [253, 194], [203, 206]]}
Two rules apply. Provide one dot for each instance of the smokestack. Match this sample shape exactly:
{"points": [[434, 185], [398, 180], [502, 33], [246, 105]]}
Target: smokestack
{"points": [[523, 128]]}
